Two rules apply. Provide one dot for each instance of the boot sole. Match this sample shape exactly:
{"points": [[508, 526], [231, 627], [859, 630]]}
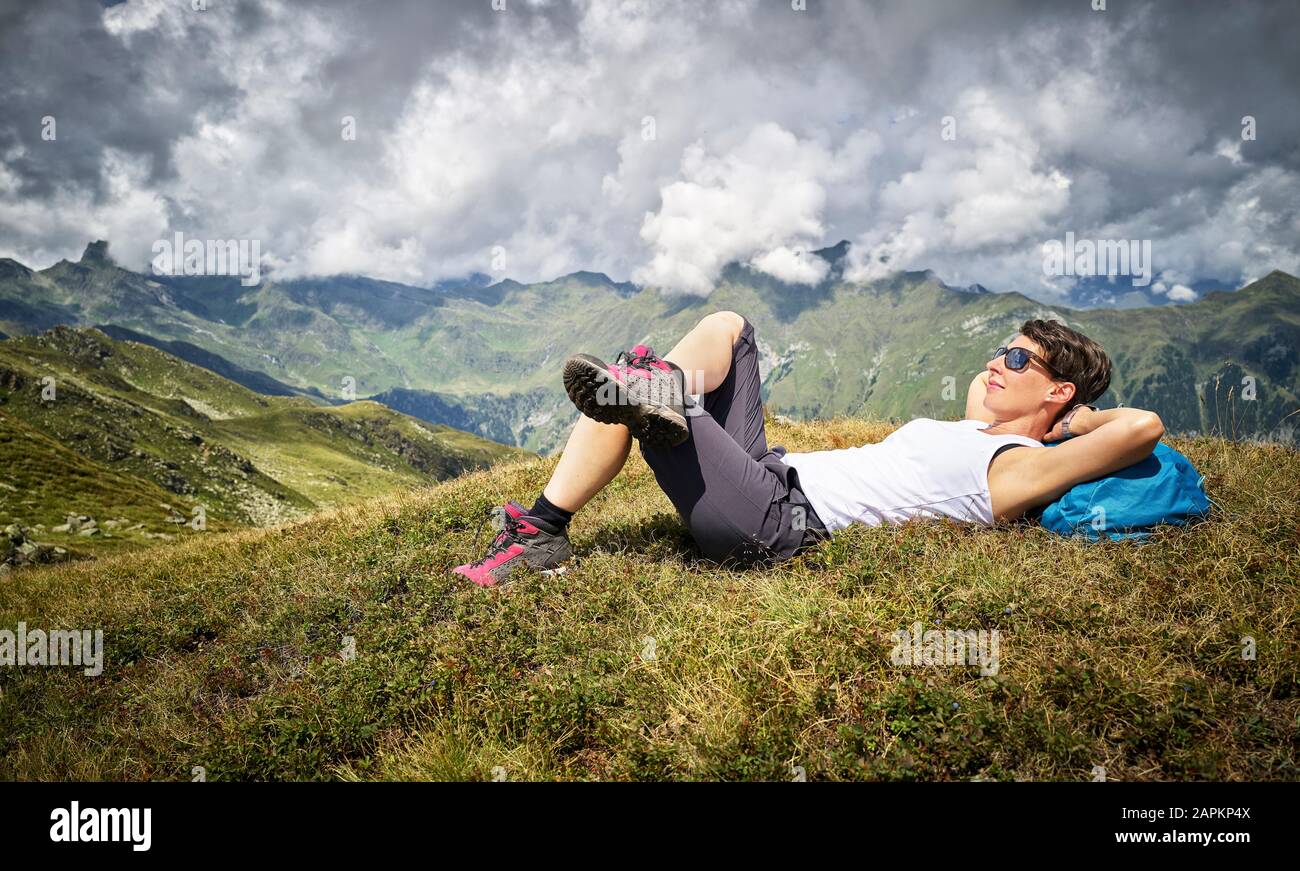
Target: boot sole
{"points": [[552, 572], [586, 378]]}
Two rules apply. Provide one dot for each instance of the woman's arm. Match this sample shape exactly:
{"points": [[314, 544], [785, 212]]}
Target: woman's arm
{"points": [[1104, 442], [1086, 420], [975, 409]]}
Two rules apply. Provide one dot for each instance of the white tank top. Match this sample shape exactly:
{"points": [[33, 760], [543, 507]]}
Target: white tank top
{"points": [[925, 468]]}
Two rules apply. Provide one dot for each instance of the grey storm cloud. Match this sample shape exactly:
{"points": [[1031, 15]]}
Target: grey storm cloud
{"points": [[57, 60], [656, 140]]}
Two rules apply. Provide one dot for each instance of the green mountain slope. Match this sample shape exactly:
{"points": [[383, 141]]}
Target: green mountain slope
{"points": [[123, 431], [486, 358], [43, 481]]}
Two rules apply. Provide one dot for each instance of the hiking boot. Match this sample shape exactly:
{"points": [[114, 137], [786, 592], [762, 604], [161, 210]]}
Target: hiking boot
{"points": [[520, 543], [640, 390]]}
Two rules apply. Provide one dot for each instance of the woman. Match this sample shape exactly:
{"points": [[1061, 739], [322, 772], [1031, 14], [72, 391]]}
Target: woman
{"points": [[746, 504]]}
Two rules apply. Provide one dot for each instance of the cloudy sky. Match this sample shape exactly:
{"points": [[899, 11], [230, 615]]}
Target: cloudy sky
{"points": [[656, 140]]}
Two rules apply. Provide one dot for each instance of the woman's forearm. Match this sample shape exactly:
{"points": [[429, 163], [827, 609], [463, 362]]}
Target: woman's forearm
{"points": [[1086, 420]]}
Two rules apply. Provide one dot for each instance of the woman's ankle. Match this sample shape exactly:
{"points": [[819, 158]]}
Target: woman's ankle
{"points": [[552, 514]]}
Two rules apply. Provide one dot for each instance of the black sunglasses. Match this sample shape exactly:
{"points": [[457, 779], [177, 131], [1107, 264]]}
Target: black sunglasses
{"points": [[1018, 359]]}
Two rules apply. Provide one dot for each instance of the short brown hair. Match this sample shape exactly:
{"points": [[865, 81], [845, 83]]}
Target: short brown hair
{"points": [[1075, 357]]}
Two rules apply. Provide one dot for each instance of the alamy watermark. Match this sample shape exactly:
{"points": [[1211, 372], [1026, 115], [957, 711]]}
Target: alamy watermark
{"points": [[939, 647], [1098, 257], [668, 390], [181, 256], [103, 825], [53, 648]]}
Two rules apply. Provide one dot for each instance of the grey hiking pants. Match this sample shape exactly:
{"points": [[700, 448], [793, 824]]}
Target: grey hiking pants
{"points": [[743, 505]]}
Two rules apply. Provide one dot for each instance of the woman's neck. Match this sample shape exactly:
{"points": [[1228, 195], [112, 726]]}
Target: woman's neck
{"points": [[1034, 427]]}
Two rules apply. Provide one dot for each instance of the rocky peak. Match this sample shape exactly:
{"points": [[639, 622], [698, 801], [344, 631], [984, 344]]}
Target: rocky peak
{"points": [[96, 252], [12, 269], [89, 346]]}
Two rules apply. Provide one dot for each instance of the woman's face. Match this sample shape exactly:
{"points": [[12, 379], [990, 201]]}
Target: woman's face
{"points": [[1012, 393]]}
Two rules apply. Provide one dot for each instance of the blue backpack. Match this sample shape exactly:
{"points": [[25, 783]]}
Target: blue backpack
{"points": [[1165, 488]]}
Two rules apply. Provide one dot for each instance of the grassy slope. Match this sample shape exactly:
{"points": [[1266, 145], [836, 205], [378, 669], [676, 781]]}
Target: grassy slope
{"points": [[303, 447], [43, 480], [224, 652], [133, 412]]}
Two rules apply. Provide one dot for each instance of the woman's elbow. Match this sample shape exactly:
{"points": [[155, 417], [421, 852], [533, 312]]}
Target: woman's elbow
{"points": [[1151, 427]]}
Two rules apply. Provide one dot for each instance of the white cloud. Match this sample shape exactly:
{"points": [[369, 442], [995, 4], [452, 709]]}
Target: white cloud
{"points": [[987, 189], [126, 19], [130, 217], [791, 265], [759, 201]]}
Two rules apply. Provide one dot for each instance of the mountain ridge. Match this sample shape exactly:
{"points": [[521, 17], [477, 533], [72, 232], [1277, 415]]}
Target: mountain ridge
{"points": [[485, 356]]}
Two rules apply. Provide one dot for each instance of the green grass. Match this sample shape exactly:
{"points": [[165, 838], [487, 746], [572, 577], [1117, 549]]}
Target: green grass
{"points": [[44, 481], [131, 428], [224, 652]]}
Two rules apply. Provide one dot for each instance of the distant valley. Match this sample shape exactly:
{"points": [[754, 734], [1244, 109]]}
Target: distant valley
{"points": [[106, 444]]}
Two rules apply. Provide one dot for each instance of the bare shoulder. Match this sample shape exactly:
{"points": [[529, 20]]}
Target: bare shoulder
{"points": [[1014, 485]]}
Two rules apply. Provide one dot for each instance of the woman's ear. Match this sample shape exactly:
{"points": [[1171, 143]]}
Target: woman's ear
{"points": [[1062, 391]]}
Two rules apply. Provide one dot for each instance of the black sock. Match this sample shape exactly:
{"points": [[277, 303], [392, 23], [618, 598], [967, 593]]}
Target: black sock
{"points": [[554, 519]]}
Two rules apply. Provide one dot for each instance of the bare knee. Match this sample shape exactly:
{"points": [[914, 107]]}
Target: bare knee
{"points": [[729, 320]]}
